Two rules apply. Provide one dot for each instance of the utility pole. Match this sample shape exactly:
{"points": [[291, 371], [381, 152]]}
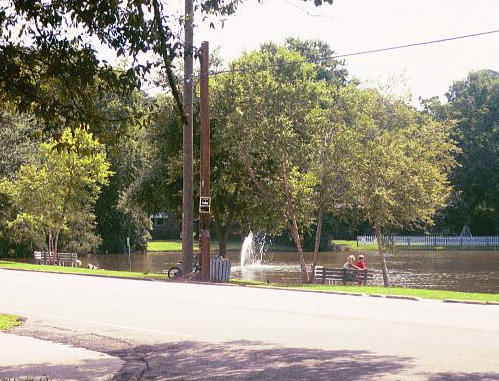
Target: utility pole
{"points": [[205, 200], [188, 192]]}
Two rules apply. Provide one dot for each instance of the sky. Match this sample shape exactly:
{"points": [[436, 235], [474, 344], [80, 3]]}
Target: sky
{"points": [[357, 25]]}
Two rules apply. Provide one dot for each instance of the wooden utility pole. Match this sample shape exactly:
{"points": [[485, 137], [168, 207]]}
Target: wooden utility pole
{"points": [[205, 201], [187, 190]]}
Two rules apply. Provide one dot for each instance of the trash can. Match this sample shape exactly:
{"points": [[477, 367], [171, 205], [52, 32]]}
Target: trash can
{"points": [[220, 270]]}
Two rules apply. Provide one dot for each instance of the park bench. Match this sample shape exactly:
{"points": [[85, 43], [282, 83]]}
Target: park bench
{"points": [[330, 275], [43, 258]]}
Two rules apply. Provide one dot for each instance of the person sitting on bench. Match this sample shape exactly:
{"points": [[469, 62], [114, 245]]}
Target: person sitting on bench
{"points": [[350, 263]]}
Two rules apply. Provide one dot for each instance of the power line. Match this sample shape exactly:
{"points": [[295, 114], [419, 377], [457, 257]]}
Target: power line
{"points": [[307, 12], [264, 67], [371, 51]]}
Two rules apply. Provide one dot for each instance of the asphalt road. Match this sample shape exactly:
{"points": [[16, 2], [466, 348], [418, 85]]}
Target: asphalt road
{"points": [[197, 332]]}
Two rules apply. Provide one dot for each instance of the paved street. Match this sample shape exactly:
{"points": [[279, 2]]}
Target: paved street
{"points": [[198, 332]]}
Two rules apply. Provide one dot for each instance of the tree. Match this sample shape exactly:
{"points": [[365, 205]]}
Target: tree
{"points": [[61, 189], [19, 144], [126, 151], [400, 178], [60, 40], [473, 105], [273, 93]]}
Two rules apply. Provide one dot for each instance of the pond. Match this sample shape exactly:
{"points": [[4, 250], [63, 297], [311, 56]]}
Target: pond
{"points": [[469, 271]]}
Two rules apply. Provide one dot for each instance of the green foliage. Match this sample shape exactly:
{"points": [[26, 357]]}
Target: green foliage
{"points": [[473, 105], [60, 190], [49, 63], [9, 321], [403, 160], [128, 154]]}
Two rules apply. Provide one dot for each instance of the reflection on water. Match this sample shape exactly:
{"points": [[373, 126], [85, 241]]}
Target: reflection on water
{"points": [[448, 270]]}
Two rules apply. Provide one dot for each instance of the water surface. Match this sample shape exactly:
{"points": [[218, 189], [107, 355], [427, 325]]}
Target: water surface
{"points": [[470, 271]]}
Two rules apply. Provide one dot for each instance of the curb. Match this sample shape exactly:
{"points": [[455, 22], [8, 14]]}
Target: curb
{"points": [[466, 301]]}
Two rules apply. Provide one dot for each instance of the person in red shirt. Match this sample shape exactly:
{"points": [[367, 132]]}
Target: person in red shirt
{"points": [[361, 263]]}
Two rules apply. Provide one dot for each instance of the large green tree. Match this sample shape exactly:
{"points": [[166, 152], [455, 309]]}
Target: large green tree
{"points": [[60, 190], [400, 175], [19, 144], [273, 93], [43, 40], [473, 106]]}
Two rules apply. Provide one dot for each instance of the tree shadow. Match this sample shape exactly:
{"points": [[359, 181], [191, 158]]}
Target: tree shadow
{"points": [[86, 370], [464, 377], [247, 360]]}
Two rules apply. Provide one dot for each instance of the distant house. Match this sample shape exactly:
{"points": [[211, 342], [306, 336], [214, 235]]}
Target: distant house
{"points": [[165, 226]]}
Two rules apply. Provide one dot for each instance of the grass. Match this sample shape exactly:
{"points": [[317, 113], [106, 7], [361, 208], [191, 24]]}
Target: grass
{"points": [[378, 290], [78, 270], [176, 245], [9, 321], [352, 245]]}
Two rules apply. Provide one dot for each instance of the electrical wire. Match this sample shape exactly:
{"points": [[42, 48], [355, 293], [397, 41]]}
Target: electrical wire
{"points": [[336, 56], [363, 52]]}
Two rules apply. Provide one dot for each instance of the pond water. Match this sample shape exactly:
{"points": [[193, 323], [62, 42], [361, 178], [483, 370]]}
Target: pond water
{"points": [[470, 271]]}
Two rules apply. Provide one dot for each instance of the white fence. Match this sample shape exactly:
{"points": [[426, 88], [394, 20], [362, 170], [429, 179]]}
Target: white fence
{"points": [[433, 240]]}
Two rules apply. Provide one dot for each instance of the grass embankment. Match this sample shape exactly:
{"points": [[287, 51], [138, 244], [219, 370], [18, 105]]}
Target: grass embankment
{"points": [[176, 245], [9, 321], [78, 270], [352, 245], [377, 290]]}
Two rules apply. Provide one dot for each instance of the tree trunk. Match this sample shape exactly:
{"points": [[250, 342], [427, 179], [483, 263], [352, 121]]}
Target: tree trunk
{"points": [[223, 233], [49, 254], [294, 225], [318, 233], [381, 244], [56, 243]]}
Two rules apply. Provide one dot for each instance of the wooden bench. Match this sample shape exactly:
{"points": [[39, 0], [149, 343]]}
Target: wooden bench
{"points": [[43, 258], [330, 275]]}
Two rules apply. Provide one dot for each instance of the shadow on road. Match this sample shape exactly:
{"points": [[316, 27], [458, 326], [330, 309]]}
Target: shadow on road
{"points": [[246, 360], [87, 370], [464, 377]]}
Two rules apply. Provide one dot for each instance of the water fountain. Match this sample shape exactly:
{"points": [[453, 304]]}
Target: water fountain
{"points": [[247, 250]]}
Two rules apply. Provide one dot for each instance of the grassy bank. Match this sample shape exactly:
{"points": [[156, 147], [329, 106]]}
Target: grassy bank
{"points": [[9, 321], [352, 245], [176, 245], [381, 291], [77, 270], [410, 292]]}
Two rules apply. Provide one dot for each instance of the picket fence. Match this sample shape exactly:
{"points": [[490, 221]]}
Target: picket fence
{"points": [[432, 240]]}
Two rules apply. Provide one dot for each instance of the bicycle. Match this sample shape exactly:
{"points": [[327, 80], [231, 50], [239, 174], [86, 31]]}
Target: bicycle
{"points": [[176, 271]]}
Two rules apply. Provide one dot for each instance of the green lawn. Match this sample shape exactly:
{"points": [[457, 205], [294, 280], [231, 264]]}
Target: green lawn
{"points": [[352, 245], [77, 270], [176, 245], [9, 321], [378, 290]]}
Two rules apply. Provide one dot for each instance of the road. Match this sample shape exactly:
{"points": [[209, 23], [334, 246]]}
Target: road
{"points": [[195, 332]]}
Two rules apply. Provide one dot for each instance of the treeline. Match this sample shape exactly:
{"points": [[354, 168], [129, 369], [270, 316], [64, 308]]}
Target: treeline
{"points": [[295, 142]]}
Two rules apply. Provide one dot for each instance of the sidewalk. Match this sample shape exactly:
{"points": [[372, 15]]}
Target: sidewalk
{"points": [[27, 357]]}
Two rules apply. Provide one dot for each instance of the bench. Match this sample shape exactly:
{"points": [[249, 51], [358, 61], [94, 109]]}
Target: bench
{"points": [[43, 258], [330, 275]]}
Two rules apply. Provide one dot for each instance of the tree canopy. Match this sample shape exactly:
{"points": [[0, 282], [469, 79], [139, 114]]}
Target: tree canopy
{"points": [[60, 189]]}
